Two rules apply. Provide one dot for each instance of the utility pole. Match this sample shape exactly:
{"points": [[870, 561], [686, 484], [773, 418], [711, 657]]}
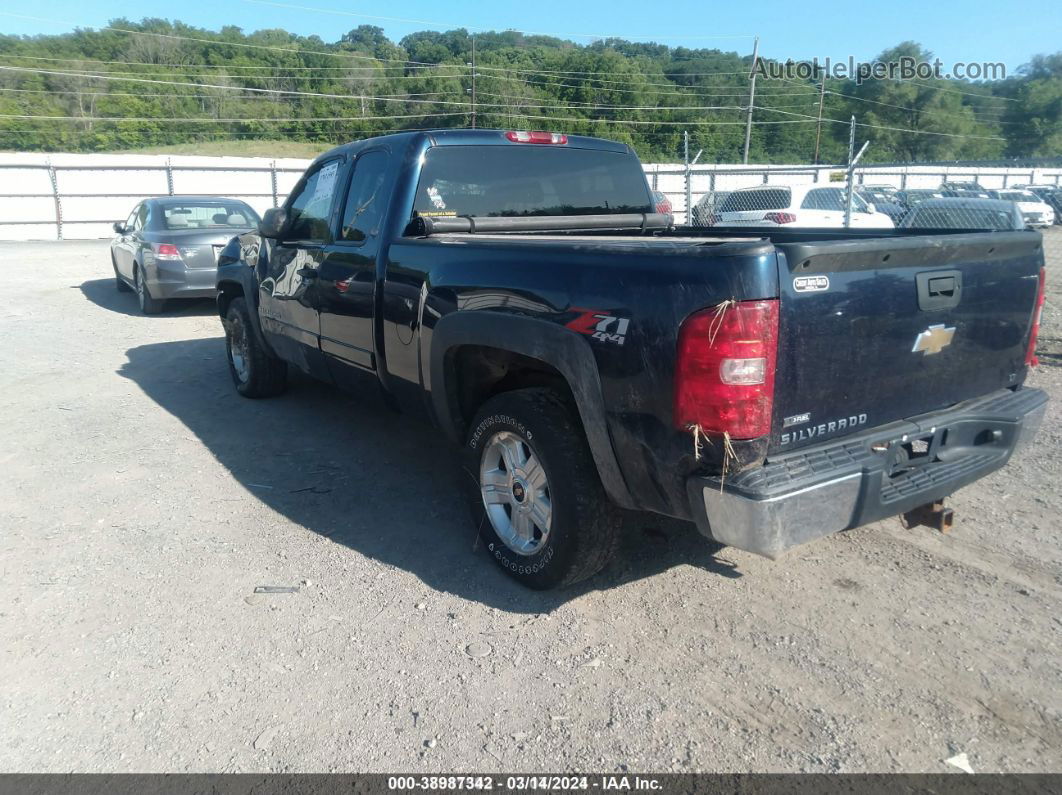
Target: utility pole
{"points": [[686, 171], [689, 175], [752, 98], [473, 65], [853, 158], [818, 130]]}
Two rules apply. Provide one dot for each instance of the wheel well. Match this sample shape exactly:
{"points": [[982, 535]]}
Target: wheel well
{"points": [[227, 293], [481, 372]]}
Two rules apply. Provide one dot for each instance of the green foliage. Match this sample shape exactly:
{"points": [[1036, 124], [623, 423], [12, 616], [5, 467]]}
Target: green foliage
{"points": [[172, 85]]}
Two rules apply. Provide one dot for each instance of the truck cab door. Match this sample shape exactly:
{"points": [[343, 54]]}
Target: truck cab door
{"points": [[347, 282], [288, 289]]}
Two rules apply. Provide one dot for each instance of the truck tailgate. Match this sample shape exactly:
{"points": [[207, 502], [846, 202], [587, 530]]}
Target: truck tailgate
{"points": [[880, 329]]}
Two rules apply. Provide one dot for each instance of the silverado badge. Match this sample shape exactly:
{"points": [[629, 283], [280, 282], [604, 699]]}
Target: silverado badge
{"points": [[933, 340]]}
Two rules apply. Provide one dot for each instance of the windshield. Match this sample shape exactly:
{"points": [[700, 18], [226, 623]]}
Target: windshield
{"points": [[208, 215], [523, 180], [756, 200], [1017, 196], [960, 218]]}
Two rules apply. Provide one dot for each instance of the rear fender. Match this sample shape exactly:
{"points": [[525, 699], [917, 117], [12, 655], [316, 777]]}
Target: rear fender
{"points": [[561, 349]]}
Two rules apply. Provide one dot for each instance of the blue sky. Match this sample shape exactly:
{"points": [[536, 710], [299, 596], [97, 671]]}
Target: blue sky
{"points": [[972, 30]]}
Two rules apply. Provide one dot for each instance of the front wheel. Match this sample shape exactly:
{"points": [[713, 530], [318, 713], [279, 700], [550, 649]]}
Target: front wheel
{"points": [[256, 372], [539, 504]]}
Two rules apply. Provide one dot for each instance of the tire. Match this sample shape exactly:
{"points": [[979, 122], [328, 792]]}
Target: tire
{"points": [[256, 372], [119, 283], [148, 305], [582, 529]]}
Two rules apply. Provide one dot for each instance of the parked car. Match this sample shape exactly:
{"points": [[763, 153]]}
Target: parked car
{"points": [[909, 198], [167, 247], [1051, 195], [1054, 200], [969, 189], [884, 192], [883, 202], [662, 204], [1036, 211], [517, 290], [958, 193], [1039, 190], [964, 214], [704, 211], [797, 206]]}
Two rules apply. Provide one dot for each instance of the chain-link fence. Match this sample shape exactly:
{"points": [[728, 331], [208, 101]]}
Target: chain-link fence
{"points": [[823, 197], [80, 196]]}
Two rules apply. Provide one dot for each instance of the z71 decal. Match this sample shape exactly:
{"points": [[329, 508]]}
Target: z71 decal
{"points": [[600, 325]]}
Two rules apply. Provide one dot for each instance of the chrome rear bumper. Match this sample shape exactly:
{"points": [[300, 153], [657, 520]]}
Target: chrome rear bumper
{"points": [[816, 491]]}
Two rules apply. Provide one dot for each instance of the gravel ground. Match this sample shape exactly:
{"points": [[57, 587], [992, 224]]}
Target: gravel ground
{"points": [[143, 501]]}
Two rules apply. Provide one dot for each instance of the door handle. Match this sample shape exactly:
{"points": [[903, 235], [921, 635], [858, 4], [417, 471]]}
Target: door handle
{"points": [[944, 285]]}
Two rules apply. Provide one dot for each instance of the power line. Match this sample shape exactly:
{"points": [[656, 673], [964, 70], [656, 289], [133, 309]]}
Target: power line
{"points": [[354, 97], [222, 66], [911, 81], [207, 85], [156, 69], [885, 127], [207, 120]]}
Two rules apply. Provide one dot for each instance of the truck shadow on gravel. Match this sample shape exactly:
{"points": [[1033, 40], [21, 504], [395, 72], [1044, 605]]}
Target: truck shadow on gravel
{"points": [[355, 472], [105, 295]]}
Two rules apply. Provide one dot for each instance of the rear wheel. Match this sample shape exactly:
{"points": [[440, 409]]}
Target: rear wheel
{"points": [[148, 305], [256, 372], [539, 504]]}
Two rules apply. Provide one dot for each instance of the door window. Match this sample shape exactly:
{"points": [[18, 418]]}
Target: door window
{"points": [[831, 199], [141, 218], [310, 209], [366, 199]]}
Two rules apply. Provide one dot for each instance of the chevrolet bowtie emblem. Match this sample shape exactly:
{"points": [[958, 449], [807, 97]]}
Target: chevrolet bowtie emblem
{"points": [[933, 340]]}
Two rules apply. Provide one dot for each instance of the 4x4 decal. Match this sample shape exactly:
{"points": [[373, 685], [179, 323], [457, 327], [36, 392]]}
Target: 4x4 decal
{"points": [[600, 324]]}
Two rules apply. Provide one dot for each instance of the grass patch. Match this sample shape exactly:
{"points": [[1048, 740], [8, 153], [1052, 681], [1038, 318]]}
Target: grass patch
{"points": [[252, 148]]}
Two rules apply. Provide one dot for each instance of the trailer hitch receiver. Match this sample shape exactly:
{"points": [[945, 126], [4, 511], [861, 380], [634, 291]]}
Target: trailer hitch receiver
{"points": [[932, 514]]}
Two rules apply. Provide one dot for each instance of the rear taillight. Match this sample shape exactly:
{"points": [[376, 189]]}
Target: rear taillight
{"points": [[536, 137], [664, 207], [1034, 332], [780, 218], [166, 251], [724, 375]]}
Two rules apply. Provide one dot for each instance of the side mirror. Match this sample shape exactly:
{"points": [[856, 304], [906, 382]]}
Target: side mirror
{"points": [[120, 227], [871, 208], [273, 223]]}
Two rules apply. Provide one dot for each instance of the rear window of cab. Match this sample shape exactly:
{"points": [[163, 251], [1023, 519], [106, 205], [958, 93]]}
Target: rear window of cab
{"points": [[529, 180]]}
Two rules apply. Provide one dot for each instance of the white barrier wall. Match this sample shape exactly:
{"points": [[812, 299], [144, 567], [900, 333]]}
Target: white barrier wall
{"points": [[96, 190], [91, 191]]}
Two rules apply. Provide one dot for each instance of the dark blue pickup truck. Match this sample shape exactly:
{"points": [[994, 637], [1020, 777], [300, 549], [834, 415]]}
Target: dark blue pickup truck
{"points": [[518, 290]]}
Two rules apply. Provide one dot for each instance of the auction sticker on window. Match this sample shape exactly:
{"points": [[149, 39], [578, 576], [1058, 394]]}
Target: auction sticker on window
{"points": [[811, 284], [326, 180]]}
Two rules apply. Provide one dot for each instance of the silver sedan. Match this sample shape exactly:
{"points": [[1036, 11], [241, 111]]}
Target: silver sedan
{"points": [[168, 246]]}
